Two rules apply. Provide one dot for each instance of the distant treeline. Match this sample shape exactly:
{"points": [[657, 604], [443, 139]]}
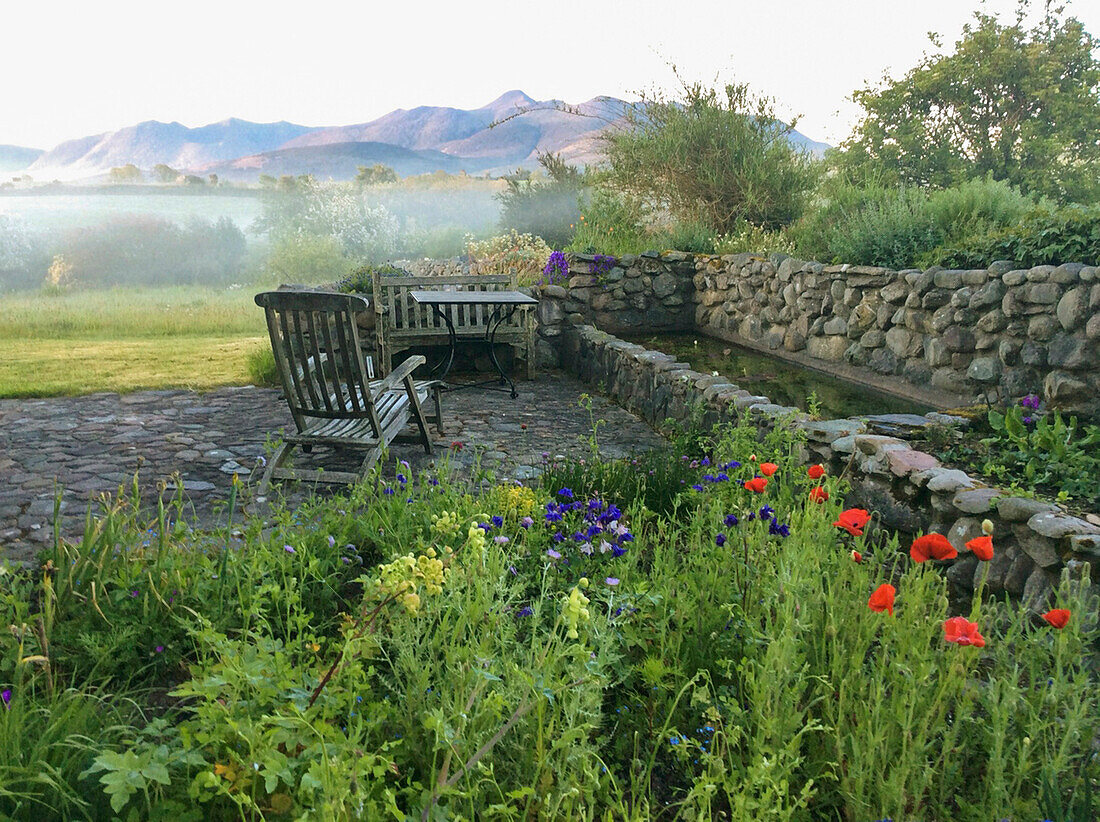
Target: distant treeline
{"points": [[131, 250]]}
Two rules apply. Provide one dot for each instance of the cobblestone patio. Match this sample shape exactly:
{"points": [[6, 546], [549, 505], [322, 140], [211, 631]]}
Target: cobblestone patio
{"points": [[91, 445]]}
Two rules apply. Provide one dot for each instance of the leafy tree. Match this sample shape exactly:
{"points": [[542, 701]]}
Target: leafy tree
{"points": [[548, 208], [376, 174], [719, 156], [1020, 104], [128, 173], [165, 173]]}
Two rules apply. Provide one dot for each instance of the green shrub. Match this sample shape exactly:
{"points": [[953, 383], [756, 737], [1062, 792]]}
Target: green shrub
{"points": [[976, 207], [307, 259], [609, 224], [1043, 237], [262, 369], [712, 155], [693, 237], [548, 208], [872, 226]]}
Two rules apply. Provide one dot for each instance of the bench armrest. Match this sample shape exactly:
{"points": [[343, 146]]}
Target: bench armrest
{"points": [[399, 374]]}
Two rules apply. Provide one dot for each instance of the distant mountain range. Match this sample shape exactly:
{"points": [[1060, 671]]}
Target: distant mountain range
{"points": [[414, 141], [17, 158]]}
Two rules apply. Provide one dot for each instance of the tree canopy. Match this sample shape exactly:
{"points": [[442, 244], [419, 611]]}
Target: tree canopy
{"points": [[1016, 103]]}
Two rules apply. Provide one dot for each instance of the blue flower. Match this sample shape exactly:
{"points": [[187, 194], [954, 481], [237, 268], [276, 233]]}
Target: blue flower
{"points": [[731, 520], [524, 612], [697, 487], [497, 521], [566, 492], [720, 540]]}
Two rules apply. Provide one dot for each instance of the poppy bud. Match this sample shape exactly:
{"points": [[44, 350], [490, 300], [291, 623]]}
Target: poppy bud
{"points": [[752, 457], [987, 527]]}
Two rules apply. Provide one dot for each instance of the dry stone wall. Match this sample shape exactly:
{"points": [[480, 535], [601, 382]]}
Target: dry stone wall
{"points": [[976, 336], [995, 333]]}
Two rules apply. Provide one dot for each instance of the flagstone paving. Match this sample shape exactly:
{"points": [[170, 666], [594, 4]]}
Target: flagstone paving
{"points": [[88, 446]]}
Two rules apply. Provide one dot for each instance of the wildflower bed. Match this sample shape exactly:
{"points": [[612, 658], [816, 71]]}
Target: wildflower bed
{"points": [[697, 635]]}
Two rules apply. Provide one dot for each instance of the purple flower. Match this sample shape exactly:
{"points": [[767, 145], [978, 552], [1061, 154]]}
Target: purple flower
{"points": [[1030, 401], [550, 552], [720, 540], [500, 540], [557, 268], [731, 520], [159, 649], [331, 541], [526, 522], [497, 521], [524, 612], [289, 549], [387, 491], [5, 697], [612, 580]]}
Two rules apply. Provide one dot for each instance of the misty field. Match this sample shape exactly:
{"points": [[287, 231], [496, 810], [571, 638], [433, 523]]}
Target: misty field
{"points": [[127, 339]]}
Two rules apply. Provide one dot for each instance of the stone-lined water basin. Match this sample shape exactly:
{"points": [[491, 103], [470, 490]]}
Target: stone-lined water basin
{"points": [[782, 382]]}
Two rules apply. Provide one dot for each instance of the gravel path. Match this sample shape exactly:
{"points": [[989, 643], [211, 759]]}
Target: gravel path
{"points": [[90, 445]]}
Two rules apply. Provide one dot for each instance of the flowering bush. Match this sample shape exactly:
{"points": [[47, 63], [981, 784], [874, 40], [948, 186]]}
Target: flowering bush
{"points": [[524, 254]]}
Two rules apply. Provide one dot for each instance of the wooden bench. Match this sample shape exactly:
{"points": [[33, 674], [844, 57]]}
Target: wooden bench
{"points": [[400, 323]]}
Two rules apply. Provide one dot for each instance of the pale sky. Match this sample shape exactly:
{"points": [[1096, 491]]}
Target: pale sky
{"points": [[74, 69]]}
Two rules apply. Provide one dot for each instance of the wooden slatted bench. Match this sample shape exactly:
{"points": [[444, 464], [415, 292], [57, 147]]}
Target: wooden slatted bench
{"points": [[400, 323]]}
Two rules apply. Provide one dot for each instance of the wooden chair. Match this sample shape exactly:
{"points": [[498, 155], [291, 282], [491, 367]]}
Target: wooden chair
{"points": [[328, 387]]}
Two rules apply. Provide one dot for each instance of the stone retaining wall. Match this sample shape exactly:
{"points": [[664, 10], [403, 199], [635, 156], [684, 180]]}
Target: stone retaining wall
{"points": [[995, 333], [1036, 542], [980, 335]]}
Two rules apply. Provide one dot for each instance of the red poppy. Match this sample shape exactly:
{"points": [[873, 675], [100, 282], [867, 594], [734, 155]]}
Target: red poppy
{"points": [[757, 484], [818, 494], [853, 521], [982, 547], [882, 599], [456, 445], [932, 546], [816, 472], [1058, 617], [857, 556], [962, 631], [768, 468]]}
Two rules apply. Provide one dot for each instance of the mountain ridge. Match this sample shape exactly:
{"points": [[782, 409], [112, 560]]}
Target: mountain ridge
{"points": [[490, 138]]}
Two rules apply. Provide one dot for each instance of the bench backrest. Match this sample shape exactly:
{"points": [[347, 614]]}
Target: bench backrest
{"points": [[317, 352], [397, 312]]}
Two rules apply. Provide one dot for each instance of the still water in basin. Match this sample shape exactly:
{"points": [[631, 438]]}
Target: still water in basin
{"points": [[783, 382]]}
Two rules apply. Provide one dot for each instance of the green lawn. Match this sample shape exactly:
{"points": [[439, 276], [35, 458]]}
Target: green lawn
{"points": [[127, 339]]}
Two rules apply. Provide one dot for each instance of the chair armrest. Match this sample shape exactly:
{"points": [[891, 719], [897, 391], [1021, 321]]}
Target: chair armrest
{"points": [[399, 374]]}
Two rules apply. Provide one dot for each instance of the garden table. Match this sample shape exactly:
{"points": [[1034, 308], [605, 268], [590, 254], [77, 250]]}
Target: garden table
{"points": [[503, 304]]}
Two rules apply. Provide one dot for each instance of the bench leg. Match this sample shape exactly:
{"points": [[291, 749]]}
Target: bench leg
{"points": [[438, 410]]}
